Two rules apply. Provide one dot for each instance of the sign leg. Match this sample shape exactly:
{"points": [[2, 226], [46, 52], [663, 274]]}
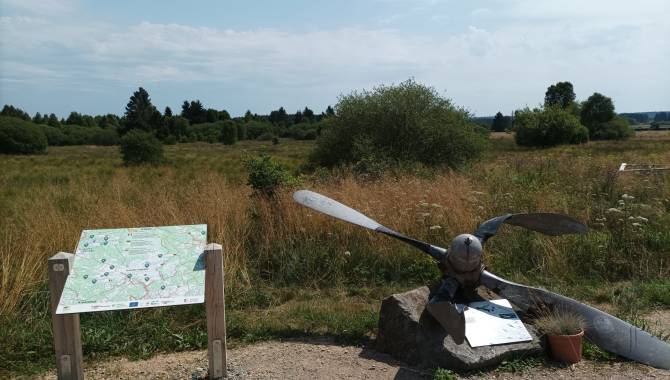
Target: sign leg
{"points": [[66, 331], [216, 311]]}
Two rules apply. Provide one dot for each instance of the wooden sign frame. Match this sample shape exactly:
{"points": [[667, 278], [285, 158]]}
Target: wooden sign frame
{"points": [[67, 331]]}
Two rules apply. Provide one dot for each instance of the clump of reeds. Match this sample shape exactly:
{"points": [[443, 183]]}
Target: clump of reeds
{"points": [[560, 322]]}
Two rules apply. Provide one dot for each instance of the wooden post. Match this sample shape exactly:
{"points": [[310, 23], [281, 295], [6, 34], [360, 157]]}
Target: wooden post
{"points": [[67, 335], [216, 311]]}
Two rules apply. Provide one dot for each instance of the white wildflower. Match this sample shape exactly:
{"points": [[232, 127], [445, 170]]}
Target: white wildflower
{"points": [[614, 210], [347, 253], [627, 197], [631, 218], [636, 224], [642, 218]]}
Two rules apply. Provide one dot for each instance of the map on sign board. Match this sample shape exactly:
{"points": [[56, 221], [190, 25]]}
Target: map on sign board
{"points": [[128, 268], [493, 322]]}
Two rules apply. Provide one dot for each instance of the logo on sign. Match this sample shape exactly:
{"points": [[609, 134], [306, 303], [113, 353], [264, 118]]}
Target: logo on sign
{"points": [[133, 304]]}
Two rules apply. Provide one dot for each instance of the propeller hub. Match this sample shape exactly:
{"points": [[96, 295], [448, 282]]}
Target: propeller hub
{"points": [[465, 253]]}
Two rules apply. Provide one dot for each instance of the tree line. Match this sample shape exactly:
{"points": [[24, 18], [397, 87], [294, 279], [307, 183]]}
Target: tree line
{"points": [[193, 123]]}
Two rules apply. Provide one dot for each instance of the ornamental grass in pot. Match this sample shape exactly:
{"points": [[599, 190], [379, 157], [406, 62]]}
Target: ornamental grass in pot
{"points": [[564, 330]]}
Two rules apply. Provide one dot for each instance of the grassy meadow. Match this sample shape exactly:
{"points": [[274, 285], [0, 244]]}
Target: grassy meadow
{"points": [[292, 272]]}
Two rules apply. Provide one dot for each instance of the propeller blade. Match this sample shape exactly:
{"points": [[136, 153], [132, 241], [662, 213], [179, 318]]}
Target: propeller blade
{"points": [[606, 331], [337, 210], [543, 222]]}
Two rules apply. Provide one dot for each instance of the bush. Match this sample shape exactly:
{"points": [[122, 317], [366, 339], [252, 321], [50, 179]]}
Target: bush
{"points": [[229, 133], [99, 136], [266, 175], [18, 136], [254, 129], [617, 128], [139, 147], [408, 122], [549, 127], [55, 137], [267, 136], [207, 132]]}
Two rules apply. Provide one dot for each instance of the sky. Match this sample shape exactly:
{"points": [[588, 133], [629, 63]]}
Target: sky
{"points": [[486, 56]]}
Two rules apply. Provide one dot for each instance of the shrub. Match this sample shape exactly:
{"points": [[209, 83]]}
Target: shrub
{"points": [[99, 136], [266, 175], [617, 128], [256, 128], [229, 133], [139, 147], [548, 127], [407, 122], [267, 136], [207, 132], [18, 136], [55, 136], [560, 322]]}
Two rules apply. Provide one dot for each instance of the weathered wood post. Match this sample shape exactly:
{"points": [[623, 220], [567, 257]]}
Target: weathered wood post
{"points": [[67, 334], [216, 311]]}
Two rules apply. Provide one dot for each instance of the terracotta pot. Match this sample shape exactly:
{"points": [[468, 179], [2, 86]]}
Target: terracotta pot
{"points": [[566, 348]]}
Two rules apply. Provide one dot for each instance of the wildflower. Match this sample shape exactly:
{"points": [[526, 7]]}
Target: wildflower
{"points": [[603, 219], [637, 224], [614, 210], [347, 253], [435, 227], [642, 218], [627, 197], [631, 218]]}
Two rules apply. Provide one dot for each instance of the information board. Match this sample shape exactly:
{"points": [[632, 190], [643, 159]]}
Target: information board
{"points": [[129, 268]]}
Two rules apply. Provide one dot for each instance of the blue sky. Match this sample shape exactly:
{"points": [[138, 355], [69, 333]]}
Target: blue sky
{"points": [[64, 55]]}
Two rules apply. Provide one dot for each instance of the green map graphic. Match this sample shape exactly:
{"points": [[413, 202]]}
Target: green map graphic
{"points": [[129, 268]]}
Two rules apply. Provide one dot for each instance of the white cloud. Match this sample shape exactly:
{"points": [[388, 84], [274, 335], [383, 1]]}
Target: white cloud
{"points": [[622, 51]]}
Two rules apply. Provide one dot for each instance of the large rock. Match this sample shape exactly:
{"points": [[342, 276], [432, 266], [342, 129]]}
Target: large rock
{"points": [[408, 332]]}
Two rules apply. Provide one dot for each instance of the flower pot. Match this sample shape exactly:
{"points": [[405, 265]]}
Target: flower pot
{"points": [[566, 348]]}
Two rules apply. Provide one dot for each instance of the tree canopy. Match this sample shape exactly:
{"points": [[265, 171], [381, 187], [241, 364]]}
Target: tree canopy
{"points": [[560, 94]]}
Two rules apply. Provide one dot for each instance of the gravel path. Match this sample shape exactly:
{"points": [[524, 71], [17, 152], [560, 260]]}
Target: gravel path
{"points": [[322, 359]]}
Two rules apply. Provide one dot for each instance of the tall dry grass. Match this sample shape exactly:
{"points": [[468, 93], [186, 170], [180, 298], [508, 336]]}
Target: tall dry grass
{"points": [[252, 230]]}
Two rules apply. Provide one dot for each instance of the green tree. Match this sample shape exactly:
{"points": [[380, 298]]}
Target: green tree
{"points": [[75, 118], [560, 94], [500, 123], [53, 120], [141, 114], [408, 122], [168, 112], [279, 117], [598, 116], [11, 111], [297, 118], [597, 109], [330, 111], [37, 119], [308, 114], [194, 111]]}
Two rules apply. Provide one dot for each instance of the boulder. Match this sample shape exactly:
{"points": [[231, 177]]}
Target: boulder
{"points": [[408, 332]]}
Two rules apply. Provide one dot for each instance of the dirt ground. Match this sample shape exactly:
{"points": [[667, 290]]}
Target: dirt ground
{"points": [[322, 359]]}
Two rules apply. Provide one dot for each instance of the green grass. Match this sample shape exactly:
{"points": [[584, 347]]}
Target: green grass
{"points": [[287, 271]]}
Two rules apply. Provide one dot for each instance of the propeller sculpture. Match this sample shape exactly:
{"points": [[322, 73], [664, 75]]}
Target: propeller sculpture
{"points": [[463, 268]]}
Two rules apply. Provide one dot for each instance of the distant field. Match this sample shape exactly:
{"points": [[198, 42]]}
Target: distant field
{"points": [[287, 271]]}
